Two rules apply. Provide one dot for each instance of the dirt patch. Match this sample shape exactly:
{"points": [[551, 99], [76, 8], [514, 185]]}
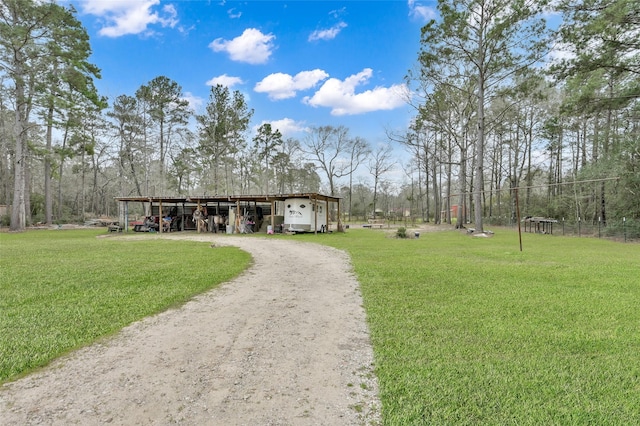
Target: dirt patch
{"points": [[286, 343]]}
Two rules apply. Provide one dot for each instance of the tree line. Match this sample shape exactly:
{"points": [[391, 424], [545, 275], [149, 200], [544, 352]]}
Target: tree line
{"points": [[67, 151], [495, 114], [492, 116]]}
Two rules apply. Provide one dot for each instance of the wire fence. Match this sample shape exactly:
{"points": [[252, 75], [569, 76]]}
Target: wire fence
{"points": [[618, 229]]}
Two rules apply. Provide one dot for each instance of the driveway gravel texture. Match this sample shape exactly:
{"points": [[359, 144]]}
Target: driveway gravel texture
{"points": [[285, 343]]}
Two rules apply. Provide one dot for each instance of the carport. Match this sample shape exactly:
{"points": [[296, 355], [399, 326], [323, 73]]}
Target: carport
{"points": [[238, 210]]}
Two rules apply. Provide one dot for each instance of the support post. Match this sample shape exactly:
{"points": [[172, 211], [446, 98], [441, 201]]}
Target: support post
{"points": [[518, 218], [160, 217], [126, 216], [273, 215]]}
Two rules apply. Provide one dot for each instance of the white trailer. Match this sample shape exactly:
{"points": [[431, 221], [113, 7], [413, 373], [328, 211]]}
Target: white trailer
{"points": [[305, 215]]}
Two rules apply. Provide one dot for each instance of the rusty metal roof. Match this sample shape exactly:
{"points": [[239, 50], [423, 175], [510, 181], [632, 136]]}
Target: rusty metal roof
{"points": [[205, 198]]}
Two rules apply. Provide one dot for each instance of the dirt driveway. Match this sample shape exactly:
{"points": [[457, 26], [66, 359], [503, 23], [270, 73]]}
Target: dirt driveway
{"points": [[285, 343]]}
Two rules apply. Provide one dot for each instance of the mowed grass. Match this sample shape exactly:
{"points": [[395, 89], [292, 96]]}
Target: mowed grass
{"points": [[60, 290], [471, 331], [465, 330]]}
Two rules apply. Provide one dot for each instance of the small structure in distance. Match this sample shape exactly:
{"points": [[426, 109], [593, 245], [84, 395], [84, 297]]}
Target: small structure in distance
{"points": [[539, 225]]}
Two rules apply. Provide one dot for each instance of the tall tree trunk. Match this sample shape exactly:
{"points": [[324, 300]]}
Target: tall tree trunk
{"points": [[83, 207], [434, 182], [596, 158], [529, 144], [48, 198], [94, 186], [583, 162], [18, 211], [479, 166], [449, 178], [61, 168], [606, 144], [427, 214], [350, 194], [461, 211]]}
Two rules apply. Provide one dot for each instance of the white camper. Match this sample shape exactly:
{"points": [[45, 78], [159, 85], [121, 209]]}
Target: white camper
{"points": [[305, 215]]}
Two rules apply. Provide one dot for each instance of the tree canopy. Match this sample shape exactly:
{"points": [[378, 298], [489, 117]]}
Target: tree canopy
{"points": [[502, 102]]}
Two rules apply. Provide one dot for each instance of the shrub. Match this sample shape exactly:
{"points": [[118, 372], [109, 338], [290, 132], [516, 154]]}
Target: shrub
{"points": [[401, 232]]}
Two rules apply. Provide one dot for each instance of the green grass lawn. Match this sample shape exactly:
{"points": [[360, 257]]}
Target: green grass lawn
{"points": [[60, 290], [465, 330], [473, 331]]}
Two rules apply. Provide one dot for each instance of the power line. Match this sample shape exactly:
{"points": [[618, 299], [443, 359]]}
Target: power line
{"points": [[547, 185], [565, 183]]}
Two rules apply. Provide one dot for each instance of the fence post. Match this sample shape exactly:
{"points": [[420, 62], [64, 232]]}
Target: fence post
{"points": [[599, 226], [579, 226]]}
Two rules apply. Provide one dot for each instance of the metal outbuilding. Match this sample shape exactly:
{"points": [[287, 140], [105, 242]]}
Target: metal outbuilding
{"points": [[230, 213]]}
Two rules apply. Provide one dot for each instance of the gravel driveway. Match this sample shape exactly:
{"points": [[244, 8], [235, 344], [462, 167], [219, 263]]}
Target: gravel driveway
{"points": [[286, 343]]}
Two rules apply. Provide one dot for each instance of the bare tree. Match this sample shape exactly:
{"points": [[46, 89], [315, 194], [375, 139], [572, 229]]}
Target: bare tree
{"points": [[379, 165], [359, 151], [330, 148]]}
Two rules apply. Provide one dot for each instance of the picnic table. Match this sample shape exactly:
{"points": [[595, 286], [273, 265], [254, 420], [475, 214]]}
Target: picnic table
{"points": [[374, 223]]}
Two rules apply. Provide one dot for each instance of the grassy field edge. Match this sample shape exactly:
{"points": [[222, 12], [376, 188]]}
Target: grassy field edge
{"points": [[65, 289], [472, 331]]}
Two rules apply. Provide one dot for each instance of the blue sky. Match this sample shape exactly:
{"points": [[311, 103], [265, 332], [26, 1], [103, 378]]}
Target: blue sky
{"points": [[298, 63]]}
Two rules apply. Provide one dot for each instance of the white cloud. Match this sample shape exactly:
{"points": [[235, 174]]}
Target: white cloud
{"points": [[170, 17], [283, 86], [101, 7], [328, 34], [558, 54], [287, 126], [233, 14], [225, 80], [419, 11], [122, 17], [342, 98], [252, 46], [195, 102], [337, 13]]}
